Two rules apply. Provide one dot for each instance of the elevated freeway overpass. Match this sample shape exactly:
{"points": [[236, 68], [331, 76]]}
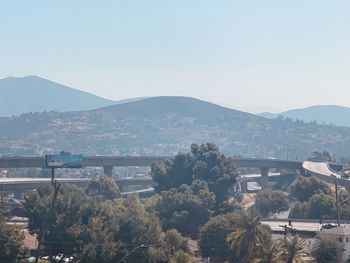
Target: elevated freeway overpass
{"points": [[321, 170], [109, 162], [326, 172], [105, 161], [19, 185]]}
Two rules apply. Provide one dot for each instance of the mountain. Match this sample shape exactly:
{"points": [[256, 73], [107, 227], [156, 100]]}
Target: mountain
{"points": [[34, 94], [268, 115], [328, 114], [158, 107], [164, 126]]}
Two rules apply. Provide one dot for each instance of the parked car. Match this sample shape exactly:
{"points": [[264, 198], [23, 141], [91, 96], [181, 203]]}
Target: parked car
{"points": [[328, 226]]}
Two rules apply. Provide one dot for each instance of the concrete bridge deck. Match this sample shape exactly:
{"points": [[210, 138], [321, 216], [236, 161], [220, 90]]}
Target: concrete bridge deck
{"points": [[323, 171], [108, 162], [102, 161]]}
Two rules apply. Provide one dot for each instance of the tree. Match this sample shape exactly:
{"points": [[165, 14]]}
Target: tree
{"points": [[186, 208], [104, 186], [173, 173], [321, 206], [326, 250], [181, 257], [271, 201], [173, 248], [99, 243], [212, 237], [205, 162], [299, 210], [55, 216], [231, 205], [100, 232], [344, 200], [305, 187], [270, 253], [247, 234], [215, 168], [138, 228], [11, 242], [293, 246]]}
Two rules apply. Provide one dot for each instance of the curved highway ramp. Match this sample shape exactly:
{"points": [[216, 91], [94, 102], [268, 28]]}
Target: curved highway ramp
{"points": [[322, 171]]}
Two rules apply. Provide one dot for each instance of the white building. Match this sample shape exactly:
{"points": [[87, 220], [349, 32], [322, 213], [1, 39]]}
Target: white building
{"points": [[341, 235]]}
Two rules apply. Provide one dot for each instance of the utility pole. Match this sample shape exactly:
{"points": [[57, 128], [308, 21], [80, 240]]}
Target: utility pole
{"points": [[52, 176], [337, 202], [2, 194]]}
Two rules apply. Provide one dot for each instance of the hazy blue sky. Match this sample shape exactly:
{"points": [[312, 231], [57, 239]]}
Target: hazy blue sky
{"points": [[266, 54]]}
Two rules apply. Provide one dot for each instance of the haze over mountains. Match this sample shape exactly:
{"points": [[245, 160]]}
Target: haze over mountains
{"points": [[328, 114], [147, 126], [35, 94]]}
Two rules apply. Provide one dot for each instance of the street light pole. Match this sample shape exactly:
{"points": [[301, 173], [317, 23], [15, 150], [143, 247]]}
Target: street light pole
{"points": [[337, 202]]}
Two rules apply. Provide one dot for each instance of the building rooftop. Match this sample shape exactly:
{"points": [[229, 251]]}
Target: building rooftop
{"points": [[339, 231]]}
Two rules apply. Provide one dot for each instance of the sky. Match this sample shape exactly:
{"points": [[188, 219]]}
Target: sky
{"points": [[251, 55]]}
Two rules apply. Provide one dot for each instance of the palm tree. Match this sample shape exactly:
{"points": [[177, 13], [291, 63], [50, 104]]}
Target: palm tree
{"points": [[293, 246], [248, 233], [270, 253]]}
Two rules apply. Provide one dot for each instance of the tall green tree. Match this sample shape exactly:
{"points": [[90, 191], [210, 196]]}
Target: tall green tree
{"points": [[104, 187], [173, 248], [205, 162], [271, 201], [55, 216], [186, 208], [173, 173], [100, 232], [247, 235], [138, 229], [270, 253], [321, 205], [293, 246], [215, 168], [121, 230], [212, 237], [11, 241], [305, 187]]}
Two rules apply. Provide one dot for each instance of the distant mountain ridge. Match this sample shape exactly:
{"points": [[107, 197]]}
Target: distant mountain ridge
{"points": [[35, 94], [165, 105], [328, 114]]}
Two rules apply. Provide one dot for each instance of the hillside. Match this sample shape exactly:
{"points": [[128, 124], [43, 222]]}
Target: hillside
{"points": [[328, 114], [34, 94], [163, 126]]}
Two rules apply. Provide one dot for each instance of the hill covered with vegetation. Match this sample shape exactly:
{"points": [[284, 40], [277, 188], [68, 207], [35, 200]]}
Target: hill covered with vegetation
{"points": [[164, 126]]}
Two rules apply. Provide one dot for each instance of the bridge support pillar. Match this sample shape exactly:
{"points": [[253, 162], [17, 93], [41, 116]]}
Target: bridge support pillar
{"points": [[121, 187], [264, 177], [244, 186], [108, 170]]}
